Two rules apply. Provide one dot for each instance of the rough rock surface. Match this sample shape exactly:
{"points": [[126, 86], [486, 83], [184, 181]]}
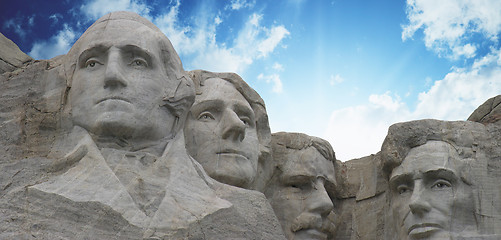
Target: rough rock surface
{"points": [[38, 162], [56, 183], [11, 57], [488, 112]]}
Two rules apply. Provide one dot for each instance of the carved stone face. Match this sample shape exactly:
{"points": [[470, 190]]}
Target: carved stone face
{"points": [[298, 195], [119, 83], [428, 197], [220, 133]]}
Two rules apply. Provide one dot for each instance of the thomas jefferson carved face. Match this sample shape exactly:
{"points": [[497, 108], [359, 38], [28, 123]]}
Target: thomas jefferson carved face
{"points": [[221, 134], [429, 199], [119, 83], [299, 197]]}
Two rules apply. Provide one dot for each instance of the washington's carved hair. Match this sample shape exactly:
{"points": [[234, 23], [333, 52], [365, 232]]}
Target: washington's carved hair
{"points": [[177, 98]]}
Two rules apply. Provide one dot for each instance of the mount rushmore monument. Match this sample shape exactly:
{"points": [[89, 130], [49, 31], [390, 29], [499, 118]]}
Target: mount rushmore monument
{"points": [[116, 140]]}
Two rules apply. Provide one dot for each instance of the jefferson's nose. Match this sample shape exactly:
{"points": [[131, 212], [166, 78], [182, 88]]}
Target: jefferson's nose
{"points": [[114, 74], [233, 127]]}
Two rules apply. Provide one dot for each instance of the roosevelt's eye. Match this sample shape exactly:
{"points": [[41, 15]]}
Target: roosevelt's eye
{"points": [[441, 184], [402, 189], [206, 116]]}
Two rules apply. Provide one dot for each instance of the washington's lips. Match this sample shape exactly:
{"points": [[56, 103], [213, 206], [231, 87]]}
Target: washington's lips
{"points": [[113, 98], [423, 228]]}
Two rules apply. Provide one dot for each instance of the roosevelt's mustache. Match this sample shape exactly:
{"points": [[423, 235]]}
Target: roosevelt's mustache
{"points": [[312, 221]]}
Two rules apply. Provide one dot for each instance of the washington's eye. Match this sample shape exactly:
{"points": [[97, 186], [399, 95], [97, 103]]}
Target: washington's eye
{"points": [[206, 116], [139, 63], [441, 184], [91, 63]]}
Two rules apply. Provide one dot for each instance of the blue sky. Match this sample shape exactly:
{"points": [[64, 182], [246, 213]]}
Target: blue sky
{"points": [[343, 70]]}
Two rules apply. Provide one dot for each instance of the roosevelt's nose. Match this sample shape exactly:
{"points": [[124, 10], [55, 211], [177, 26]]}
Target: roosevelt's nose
{"points": [[418, 203], [320, 202], [233, 127], [114, 74]]}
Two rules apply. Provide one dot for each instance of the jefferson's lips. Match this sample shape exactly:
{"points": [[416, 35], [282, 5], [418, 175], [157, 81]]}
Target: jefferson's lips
{"points": [[114, 98], [422, 228]]}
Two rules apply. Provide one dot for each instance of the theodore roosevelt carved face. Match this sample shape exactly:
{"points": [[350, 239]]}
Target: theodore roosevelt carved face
{"points": [[298, 190]]}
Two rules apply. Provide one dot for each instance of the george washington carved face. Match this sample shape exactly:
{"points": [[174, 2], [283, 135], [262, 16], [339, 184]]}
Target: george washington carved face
{"points": [[120, 81]]}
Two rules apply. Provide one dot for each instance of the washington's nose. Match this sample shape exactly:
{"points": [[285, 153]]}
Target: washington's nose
{"points": [[114, 77], [320, 202], [418, 203], [233, 127]]}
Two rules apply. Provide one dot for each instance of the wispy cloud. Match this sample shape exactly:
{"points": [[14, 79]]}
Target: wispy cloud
{"points": [[198, 41], [56, 45], [274, 79], [449, 24], [20, 25], [336, 79], [97, 8], [360, 130], [239, 4]]}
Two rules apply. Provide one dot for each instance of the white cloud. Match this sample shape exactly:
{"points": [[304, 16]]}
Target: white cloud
{"points": [[336, 79], [98, 8], [253, 41], [278, 67], [15, 24], [273, 78], [56, 45], [359, 131], [239, 4], [55, 18], [448, 24]]}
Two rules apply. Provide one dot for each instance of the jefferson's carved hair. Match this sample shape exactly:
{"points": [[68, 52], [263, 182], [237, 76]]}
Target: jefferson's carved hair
{"points": [[257, 105]]}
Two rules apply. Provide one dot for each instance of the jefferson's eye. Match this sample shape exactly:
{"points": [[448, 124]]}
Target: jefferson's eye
{"points": [[246, 121], [206, 116]]}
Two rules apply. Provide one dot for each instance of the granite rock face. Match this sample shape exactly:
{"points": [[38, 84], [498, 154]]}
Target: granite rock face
{"points": [[115, 140], [488, 112], [87, 153], [11, 57]]}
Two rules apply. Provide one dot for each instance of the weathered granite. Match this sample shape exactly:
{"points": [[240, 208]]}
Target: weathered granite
{"points": [[11, 57], [488, 112], [443, 180], [93, 147], [303, 181], [227, 130]]}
